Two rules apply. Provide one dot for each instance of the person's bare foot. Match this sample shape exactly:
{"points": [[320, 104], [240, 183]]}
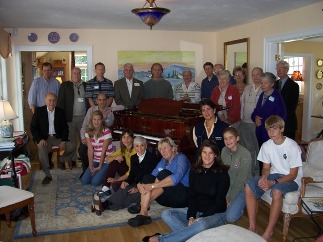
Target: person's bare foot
{"points": [[153, 239], [267, 237], [252, 229]]}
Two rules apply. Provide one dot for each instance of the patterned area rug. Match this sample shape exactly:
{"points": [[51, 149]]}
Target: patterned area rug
{"points": [[63, 206]]}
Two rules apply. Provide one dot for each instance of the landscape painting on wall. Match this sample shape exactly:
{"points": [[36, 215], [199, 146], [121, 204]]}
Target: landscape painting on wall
{"points": [[240, 58], [173, 62]]}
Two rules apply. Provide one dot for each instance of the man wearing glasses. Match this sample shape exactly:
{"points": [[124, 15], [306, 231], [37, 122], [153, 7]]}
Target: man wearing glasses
{"points": [[290, 93], [71, 98]]}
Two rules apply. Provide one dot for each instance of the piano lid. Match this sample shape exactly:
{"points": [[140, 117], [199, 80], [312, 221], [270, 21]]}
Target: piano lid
{"points": [[161, 106]]}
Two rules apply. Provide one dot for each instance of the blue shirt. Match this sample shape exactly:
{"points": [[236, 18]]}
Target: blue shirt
{"points": [[208, 86], [179, 166], [283, 81], [39, 89]]}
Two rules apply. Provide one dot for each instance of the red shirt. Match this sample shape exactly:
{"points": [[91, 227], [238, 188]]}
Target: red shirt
{"points": [[232, 100]]}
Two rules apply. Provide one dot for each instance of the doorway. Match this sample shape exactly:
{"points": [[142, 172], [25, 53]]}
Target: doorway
{"points": [[31, 63], [19, 68], [272, 49]]}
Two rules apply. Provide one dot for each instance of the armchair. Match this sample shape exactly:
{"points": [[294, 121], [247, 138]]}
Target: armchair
{"points": [[312, 186]]}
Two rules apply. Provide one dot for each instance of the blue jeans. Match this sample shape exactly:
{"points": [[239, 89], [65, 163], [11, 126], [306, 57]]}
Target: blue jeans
{"points": [[283, 187], [97, 178], [177, 221], [236, 208]]}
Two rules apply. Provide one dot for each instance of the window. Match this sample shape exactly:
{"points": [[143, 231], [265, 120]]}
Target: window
{"points": [[295, 64], [81, 62]]}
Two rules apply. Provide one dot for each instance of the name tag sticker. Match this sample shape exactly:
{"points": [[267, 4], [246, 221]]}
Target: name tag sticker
{"points": [[230, 97], [96, 87], [271, 98], [136, 84], [80, 99]]}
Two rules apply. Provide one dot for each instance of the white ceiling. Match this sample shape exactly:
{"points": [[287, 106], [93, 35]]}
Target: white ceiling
{"points": [[185, 15]]}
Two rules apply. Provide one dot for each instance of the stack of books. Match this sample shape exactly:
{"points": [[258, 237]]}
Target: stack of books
{"points": [[7, 144]]}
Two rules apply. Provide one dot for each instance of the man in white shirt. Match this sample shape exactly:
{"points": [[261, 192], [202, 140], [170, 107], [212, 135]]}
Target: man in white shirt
{"points": [[49, 128]]}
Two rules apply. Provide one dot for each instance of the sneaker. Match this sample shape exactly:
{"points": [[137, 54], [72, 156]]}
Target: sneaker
{"points": [[46, 180], [104, 195]]}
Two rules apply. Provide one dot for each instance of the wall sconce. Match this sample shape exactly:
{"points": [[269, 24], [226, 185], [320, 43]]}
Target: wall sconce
{"points": [[6, 114], [150, 15]]}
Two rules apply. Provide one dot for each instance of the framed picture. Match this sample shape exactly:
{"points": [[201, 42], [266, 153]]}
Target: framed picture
{"points": [[173, 62]]}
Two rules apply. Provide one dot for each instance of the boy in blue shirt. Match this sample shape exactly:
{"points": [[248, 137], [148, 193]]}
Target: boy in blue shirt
{"points": [[281, 173]]}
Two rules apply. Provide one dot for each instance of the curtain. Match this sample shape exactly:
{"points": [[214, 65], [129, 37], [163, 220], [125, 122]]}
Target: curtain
{"points": [[5, 44]]}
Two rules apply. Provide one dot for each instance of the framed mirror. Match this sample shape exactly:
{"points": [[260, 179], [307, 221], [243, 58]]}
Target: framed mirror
{"points": [[236, 53]]}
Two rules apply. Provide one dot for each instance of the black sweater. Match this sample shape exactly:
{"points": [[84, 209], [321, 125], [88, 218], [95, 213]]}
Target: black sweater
{"points": [[207, 193], [137, 171]]}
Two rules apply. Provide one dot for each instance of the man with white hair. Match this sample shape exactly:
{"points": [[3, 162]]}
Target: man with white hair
{"points": [[188, 91]]}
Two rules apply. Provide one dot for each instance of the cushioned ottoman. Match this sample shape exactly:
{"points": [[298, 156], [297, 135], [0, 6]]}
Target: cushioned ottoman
{"points": [[226, 233]]}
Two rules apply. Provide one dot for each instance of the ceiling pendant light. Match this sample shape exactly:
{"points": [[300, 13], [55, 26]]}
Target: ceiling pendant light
{"points": [[150, 15]]}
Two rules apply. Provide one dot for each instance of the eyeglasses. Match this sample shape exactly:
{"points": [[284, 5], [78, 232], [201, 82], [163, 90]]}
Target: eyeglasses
{"points": [[280, 68], [238, 74]]}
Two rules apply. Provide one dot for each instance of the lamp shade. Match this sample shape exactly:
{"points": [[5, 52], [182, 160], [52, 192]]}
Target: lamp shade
{"points": [[6, 111], [297, 76], [150, 15]]}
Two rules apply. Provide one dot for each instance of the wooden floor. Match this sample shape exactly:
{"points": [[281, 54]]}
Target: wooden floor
{"points": [[299, 227]]}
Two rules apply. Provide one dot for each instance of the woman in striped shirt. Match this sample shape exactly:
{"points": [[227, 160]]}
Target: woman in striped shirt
{"points": [[98, 139]]}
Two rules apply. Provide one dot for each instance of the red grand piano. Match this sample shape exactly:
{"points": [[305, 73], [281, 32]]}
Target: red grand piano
{"points": [[158, 118]]}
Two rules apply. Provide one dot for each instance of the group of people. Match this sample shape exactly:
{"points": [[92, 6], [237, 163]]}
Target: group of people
{"points": [[239, 119]]}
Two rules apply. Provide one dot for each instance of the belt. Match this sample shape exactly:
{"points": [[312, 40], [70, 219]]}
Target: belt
{"points": [[52, 135]]}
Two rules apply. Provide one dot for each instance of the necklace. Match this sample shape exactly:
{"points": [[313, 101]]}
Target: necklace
{"points": [[205, 169]]}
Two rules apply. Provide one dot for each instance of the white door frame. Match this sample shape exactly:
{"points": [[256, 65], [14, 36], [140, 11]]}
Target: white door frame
{"points": [[271, 49], [17, 54]]}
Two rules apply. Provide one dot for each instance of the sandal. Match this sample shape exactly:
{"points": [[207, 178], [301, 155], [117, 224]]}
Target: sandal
{"points": [[139, 220], [146, 238]]}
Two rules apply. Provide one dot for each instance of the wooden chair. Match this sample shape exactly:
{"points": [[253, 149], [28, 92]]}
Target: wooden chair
{"points": [[56, 149], [13, 198], [312, 186]]}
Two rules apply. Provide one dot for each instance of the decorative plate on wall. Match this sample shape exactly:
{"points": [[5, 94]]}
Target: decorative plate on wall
{"points": [[74, 37], [319, 62], [32, 37], [53, 37], [318, 86], [319, 74]]}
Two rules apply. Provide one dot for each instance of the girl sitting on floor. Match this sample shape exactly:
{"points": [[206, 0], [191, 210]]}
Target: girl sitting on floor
{"points": [[98, 139]]}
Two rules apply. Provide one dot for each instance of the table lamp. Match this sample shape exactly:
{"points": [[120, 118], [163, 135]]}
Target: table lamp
{"points": [[6, 114]]}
